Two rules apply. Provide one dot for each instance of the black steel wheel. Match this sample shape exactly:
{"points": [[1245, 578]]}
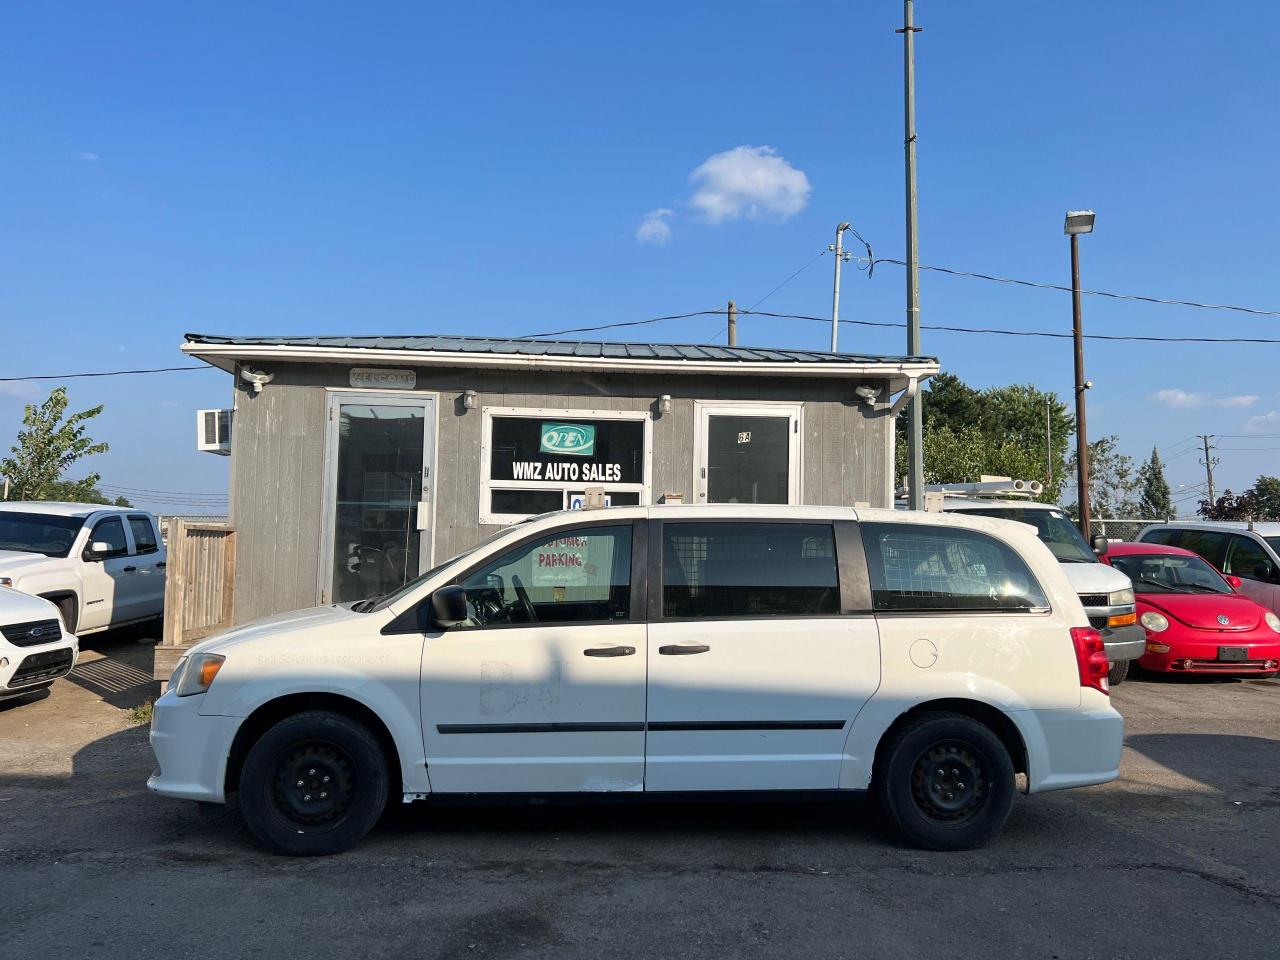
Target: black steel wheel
{"points": [[313, 784], [944, 780]]}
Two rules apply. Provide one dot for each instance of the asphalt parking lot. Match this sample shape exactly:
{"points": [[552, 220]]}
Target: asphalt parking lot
{"points": [[1176, 859]]}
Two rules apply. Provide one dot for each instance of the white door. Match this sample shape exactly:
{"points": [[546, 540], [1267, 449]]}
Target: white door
{"points": [[754, 673], [544, 689], [748, 452], [378, 483], [148, 556], [111, 587]]}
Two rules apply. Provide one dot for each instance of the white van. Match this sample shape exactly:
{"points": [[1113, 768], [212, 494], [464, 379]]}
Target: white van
{"points": [[1105, 592], [668, 649]]}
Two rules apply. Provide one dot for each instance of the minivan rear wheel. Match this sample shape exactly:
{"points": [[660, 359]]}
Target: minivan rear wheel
{"points": [[945, 781], [313, 784]]}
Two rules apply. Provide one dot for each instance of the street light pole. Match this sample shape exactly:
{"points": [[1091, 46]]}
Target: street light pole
{"points": [[841, 256], [1078, 222], [915, 422]]}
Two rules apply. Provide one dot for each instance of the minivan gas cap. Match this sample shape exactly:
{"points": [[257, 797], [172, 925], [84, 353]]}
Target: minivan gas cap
{"points": [[924, 654]]}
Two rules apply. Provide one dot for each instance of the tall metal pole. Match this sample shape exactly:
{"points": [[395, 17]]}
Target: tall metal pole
{"points": [[1048, 447], [915, 428], [1082, 432], [733, 324], [838, 248]]}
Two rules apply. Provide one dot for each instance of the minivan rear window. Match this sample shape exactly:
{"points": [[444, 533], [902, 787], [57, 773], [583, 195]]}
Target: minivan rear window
{"points": [[919, 568]]}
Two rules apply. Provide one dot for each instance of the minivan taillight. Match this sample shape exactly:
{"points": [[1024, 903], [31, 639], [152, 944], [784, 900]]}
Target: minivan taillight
{"points": [[1091, 657]]}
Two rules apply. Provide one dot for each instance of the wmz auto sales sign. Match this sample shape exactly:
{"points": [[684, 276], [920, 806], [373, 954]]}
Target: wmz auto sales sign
{"points": [[567, 451]]}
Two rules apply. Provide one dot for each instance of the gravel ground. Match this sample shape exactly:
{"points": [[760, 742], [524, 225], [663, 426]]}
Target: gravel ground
{"points": [[1175, 859]]}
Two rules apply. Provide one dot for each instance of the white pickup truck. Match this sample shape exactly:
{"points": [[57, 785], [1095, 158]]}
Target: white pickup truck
{"points": [[102, 566]]}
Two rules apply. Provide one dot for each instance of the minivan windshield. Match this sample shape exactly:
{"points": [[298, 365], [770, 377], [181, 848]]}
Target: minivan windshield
{"points": [[38, 533], [1053, 527]]}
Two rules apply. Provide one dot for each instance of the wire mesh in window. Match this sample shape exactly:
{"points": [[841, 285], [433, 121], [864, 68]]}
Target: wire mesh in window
{"points": [[915, 568]]}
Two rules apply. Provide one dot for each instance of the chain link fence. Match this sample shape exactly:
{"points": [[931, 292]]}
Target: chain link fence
{"points": [[1117, 529]]}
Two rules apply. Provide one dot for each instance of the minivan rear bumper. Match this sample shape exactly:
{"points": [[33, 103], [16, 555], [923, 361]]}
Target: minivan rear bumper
{"points": [[1072, 748]]}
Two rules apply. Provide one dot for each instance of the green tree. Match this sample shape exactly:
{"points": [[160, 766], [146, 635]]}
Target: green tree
{"points": [[1230, 506], [1155, 499], [1114, 489], [48, 445], [999, 431], [1266, 495]]}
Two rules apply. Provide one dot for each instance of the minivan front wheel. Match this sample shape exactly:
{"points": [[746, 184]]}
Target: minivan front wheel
{"points": [[313, 784], [945, 781]]}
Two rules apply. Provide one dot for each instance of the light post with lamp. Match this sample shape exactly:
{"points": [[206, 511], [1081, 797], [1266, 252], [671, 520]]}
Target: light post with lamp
{"points": [[1078, 222]]}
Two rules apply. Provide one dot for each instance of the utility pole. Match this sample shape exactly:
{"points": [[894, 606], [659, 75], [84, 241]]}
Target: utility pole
{"points": [[1209, 462], [915, 426], [733, 324], [1048, 446], [1082, 431], [841, 256]]}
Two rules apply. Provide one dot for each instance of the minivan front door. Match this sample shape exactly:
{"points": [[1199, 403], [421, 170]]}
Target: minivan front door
{"points": [[543, 690], [379, 458], [755, 672]]}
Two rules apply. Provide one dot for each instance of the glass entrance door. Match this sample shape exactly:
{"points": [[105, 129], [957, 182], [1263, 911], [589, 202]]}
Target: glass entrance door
{"points": [[748, 453], [379, 464]]}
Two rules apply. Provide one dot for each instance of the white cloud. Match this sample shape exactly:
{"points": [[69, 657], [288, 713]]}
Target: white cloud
{"points": [[21, 389], [655, 228], [88, 156], [1182, 400], [749, 182], [1263, 423]]}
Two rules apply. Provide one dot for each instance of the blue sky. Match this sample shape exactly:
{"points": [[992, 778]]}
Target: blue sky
{"points": [[403, 168]]}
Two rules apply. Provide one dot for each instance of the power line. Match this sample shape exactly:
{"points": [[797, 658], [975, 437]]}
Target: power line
{"points": [[624, 323], [821, 254], [172, 493], [1093, 293], [102, 373]]}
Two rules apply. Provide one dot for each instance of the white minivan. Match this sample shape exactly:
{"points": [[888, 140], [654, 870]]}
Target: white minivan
{"points": [[930, 658]]}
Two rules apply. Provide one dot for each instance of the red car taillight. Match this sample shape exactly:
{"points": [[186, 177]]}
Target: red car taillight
{"points": [[1091, 657]]}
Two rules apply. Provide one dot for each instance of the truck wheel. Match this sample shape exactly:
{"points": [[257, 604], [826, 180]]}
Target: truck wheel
{"points": [[1119, 670], [945, 781], [313, 784]]}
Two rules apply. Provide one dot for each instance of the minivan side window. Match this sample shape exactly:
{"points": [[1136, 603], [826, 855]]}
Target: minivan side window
{"points": [[1166, 536], [744, 569], [926, 568], [581, 575], [144, 538], [1210, 544], [1248, 559]]}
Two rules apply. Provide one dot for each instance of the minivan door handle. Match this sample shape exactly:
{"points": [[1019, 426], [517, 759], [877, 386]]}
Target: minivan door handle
{"points": [[609, 651], [683, 649]]}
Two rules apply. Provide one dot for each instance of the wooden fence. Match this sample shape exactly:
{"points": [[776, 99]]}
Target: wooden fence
{"points": [[199, 590]]}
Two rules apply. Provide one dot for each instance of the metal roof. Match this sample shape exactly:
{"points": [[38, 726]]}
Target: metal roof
{"points": [[579, 349]]}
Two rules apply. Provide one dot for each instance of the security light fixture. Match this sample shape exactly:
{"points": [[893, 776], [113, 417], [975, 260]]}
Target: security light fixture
{"points": [[256, 377], [1078, 221], [869, 395], [469, 399], [664, 403]]}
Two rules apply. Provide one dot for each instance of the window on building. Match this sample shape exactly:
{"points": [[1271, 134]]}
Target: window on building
{"points": [[938, 568], [716, 570], [144, 537], [575, 576], [535, 461]]}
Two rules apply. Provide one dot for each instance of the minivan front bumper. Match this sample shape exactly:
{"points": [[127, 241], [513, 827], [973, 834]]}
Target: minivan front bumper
{"points": [[1125, 643], [191, 749]]}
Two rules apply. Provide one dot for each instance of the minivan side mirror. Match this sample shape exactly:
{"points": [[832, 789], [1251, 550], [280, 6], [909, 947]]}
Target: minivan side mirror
{"points": [[449, 607], [1100, 544], [1264, 573]]}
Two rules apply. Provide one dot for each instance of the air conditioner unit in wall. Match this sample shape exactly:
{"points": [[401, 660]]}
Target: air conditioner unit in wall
{"points": [[213, 431]]}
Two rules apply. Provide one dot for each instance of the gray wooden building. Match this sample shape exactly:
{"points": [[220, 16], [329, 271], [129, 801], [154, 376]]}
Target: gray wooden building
{"points": [[358, 462]]}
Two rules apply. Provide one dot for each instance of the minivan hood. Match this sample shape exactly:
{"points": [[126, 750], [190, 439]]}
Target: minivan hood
{"points": [[1094, 577], [275, 627], [1201, 610]]}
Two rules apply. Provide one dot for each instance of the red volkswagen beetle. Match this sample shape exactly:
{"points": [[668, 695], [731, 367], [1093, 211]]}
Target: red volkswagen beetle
{"points": [[1195, 621]]}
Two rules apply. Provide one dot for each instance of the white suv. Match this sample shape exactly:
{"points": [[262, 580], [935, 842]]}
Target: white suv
{"points": [[35, 648], [928, 658]]}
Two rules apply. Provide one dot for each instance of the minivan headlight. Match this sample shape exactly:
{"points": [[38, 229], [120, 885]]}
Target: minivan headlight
{"points": [[1155, 622], [1273, 621], [198, 673], [1118, 598]]}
